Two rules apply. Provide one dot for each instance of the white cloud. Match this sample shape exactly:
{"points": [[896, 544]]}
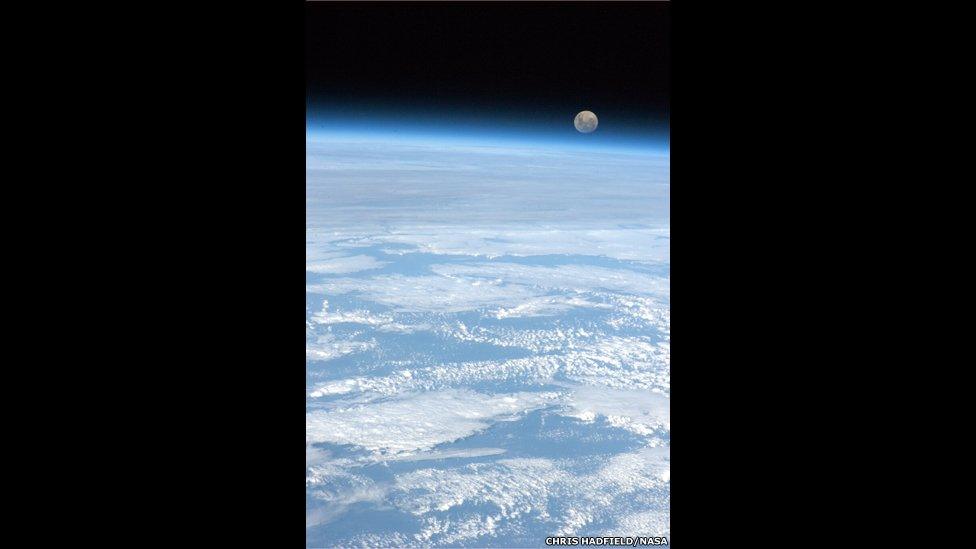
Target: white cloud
{"points": [[608, 353], [510, 289], [525, 370], [384, 322], [641, 412], [563, 277], [515, 486], [621, 362], [626, 363], [417, 421], [440, 294], [514, 492], [327, 347], [547, 306], [342, 265], [336, 504], [448, 454], [648, 523], [647, 245], [497, 200]]}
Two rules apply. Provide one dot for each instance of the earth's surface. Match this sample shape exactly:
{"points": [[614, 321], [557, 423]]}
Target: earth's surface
{"points": [[487, 336]]}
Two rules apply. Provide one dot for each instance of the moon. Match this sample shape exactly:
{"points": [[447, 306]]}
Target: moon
{"points": [[585, 122]]}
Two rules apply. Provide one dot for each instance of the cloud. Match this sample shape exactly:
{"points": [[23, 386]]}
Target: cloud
{"points": [[489, 201], [510, 289], [641, 412], [448, 454], [441, 294], [547, 306], [527, 271], [337, 505], [383, 322], [650, 244], [563, 277], [514, 486], [533, 370], [513, 493], [414, 422], [326, 347], [342, 265], [598, 362], [647, 523]]}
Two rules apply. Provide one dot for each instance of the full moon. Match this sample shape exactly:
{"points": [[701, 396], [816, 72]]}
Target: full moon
{"points": [[585, 121]]}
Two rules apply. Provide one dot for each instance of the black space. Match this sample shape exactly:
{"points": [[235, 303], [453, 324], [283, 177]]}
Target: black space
{"points": [[493, 56]]}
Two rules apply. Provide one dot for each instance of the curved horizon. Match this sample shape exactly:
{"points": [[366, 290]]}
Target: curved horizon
{"points": [[617, 131]]}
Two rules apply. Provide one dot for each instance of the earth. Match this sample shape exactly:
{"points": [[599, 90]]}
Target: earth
{"points": [[487, 342]]}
